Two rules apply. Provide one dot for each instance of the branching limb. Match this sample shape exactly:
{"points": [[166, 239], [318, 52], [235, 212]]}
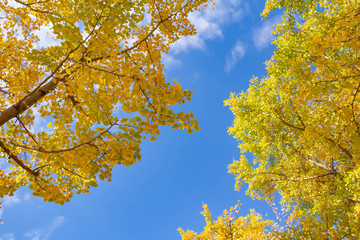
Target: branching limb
{"points": [[312, 161], [341, 148], [47, 85], [67, 149], [17, 160], [313, 177], [28, 132]]}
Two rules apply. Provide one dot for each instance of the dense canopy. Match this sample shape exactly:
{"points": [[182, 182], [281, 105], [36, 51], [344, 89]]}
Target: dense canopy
{"points": [[98, 86], [301, 122]]}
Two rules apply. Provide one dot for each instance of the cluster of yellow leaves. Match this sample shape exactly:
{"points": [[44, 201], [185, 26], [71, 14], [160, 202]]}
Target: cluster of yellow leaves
{"points": [[230, 226], [302, 121], [100, 88]]}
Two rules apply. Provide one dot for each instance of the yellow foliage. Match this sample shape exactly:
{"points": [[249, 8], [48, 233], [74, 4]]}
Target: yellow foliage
{"points": [[302, 121], [99, 83], [230, 226]]}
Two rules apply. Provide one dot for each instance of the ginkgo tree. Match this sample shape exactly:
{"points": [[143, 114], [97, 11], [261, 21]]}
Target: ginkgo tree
{"points": [[302, 121], [231, 226], [99, 88], [299, 127]]}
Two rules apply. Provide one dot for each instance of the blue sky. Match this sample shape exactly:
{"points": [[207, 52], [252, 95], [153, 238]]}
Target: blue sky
{"points": [[178, 172]]}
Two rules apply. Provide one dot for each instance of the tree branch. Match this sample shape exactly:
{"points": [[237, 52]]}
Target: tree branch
{"points": [[41, 90], [67, 149], [17, 160], [28, 101], [313, 177], [312, 161], [286, 123], [342, 149]]}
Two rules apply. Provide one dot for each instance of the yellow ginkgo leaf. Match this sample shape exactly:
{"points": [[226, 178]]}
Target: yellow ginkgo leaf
{"points": [[102, 85]]}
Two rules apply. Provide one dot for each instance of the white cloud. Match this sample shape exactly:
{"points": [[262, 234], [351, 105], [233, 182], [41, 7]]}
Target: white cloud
{"points": [[45, 232], [8, 201], [262, 36], [170, 62], [34, 234], [7, 236], [14, 4], [47, 37], [45, 34], [11, 201], [27, 197], [209, 23], [237, 53]]}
